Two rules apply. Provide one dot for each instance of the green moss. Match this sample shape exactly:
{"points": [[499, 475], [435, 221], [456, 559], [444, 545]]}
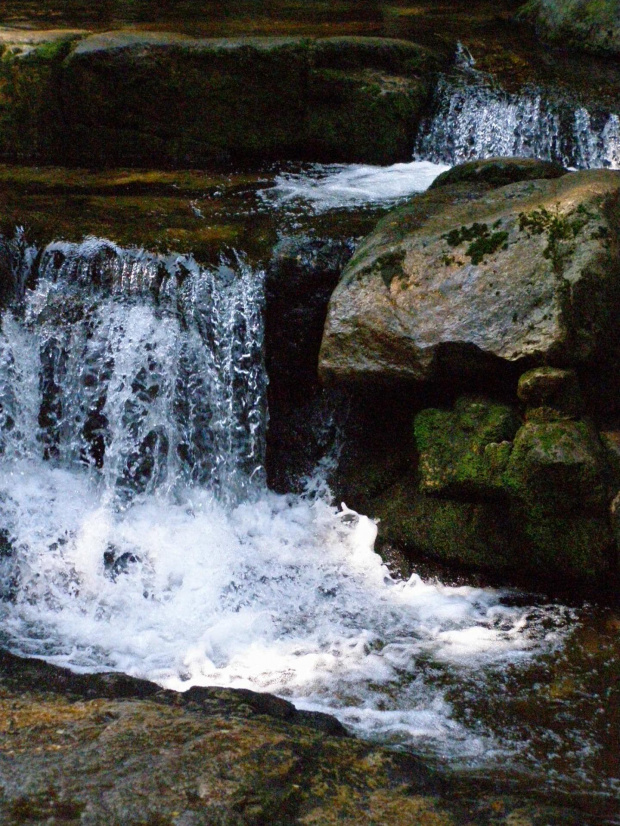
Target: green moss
{"points": [[464, 452], [390, 266], [561, 231], [475, 534], [558, 466], [483, 242]]}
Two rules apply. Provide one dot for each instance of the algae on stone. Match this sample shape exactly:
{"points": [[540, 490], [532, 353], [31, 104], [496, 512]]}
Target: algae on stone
{"points": [[464, 452]]}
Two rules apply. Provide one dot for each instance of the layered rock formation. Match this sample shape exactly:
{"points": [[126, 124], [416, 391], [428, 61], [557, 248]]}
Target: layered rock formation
{"points": [[148, 98]]}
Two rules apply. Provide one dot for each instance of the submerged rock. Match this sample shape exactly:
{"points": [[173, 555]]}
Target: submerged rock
{"points": [[463, 280]]}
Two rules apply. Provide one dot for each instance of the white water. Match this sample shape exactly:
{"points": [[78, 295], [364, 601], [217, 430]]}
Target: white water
{"points": [[322, 187], [144, 539], [474, 118]]}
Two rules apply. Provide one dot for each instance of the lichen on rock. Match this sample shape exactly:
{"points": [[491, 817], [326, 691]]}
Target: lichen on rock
{"points": [[521, 273]]}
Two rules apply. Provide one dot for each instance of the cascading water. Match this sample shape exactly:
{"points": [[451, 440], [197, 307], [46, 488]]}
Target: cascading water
{"points": [[138, 533], [474, 118]]}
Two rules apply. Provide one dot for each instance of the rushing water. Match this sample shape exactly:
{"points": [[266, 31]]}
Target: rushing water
{"points": [[322, 187], [475, 118], [138, 533]]}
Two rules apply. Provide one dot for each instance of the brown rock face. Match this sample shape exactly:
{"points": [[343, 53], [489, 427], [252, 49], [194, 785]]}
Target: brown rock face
{"points": [[110, 750], [462, 276]]}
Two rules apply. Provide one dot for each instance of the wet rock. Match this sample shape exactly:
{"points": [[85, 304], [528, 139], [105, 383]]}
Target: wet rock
{"points": [[550, 394], [557, 478], [559, 465], [463, 281], [301, 276], [464, 452], [498, 172], [464, 534], [580, 24], [153, 98], [489, 492], [106, 750]]}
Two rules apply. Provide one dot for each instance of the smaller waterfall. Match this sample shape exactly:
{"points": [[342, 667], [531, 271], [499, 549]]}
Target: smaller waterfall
{"points": [[474, 118], [145, 369]]}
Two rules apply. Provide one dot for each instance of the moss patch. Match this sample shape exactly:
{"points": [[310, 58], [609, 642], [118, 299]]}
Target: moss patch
{"points": [[482, 240], [464, 452]]}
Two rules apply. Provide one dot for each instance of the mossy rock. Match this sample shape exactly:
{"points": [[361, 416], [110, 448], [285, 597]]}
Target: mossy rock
{"points": [[464, 452], [467, 534], [144, 98], [562, 546], [558, 467], [499, 172], [593, 25], [550, 394], [30, 111]]}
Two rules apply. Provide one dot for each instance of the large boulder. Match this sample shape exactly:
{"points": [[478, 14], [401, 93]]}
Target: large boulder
{"points": [[465, 276], [145, 98], [593, 25]]}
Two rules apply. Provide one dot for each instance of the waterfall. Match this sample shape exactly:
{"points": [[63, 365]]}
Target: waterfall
{"points": [[145, 369], [137, 533], [475, 118]]}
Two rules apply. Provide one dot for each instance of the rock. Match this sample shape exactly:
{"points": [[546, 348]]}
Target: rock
{"points": [[610, 439], [464, 452], [557, 478], [145, 208], [550, 394], [581, 24], [464, 534], [499, 172], [525, 501], [559, 466], [301, 276], [107, 749], [462, 279], [153, 98]]}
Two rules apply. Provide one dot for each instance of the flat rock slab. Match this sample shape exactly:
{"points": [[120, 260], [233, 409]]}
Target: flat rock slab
{"points": [[143, 98], [109, 750], [463, 276]]}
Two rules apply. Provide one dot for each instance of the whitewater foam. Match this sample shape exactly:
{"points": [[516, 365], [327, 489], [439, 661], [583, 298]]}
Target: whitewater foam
{"points": [[322, 187], [138, 534]]}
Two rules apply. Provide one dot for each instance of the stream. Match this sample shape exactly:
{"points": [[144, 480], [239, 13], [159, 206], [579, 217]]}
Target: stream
{"points": [[139, 534]]}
